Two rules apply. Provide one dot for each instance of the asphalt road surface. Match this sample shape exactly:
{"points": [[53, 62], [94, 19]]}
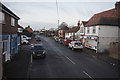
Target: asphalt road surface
{"points": [[61, 62]]}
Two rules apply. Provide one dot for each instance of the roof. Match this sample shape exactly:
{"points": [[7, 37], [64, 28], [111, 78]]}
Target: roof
{"points": [[84, 22], [20, 26], [73, 29], [29, 29], [3, 8], [108, 17]]}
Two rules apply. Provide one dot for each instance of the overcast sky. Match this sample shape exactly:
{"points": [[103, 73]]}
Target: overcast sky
{"points": [[43, 13]]}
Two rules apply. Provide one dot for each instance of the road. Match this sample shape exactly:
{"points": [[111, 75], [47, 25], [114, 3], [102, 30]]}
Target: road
{"points": [[61, 62]]}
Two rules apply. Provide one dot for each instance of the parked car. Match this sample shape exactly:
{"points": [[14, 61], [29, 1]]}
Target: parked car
{"points": [[38, 39], [56, 39], [75, 45], [60, 40], [23, 37], [38, 51], [66, 41], [24, 41]]}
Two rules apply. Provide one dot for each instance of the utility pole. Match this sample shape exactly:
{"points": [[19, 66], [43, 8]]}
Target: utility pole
{"points": [[58, 27], [57, 15]]}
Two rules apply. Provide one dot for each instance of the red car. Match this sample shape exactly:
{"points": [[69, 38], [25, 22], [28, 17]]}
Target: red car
{"points": [[67, 41]]}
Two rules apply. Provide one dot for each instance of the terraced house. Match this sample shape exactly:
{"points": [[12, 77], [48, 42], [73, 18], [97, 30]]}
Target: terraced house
{"points": [[10, 40]]}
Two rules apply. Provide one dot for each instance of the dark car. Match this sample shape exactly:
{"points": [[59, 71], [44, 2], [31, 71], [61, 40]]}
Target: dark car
{"points": [[38, 39], [38, 51]]}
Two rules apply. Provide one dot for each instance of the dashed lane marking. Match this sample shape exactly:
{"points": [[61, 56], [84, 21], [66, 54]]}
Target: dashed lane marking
{"points": [[88, 75], [70, 60]]}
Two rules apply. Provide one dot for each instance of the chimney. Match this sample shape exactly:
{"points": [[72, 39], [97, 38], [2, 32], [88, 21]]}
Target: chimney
{"points": [[78, 24], [117, 7]]}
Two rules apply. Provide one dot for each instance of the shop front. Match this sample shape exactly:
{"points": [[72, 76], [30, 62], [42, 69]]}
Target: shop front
{"points": [[91, 42]]}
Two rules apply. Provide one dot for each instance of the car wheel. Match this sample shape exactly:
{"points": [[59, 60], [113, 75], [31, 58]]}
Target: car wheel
{"points": [[72, 48], [24, 43]]}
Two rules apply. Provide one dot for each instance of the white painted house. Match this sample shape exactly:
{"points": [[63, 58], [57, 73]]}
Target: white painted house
{"points": [[102, 29], [71, 33], [81, 32]]}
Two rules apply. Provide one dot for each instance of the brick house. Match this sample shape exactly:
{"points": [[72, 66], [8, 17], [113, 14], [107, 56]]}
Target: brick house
{"points": [[29, 29], [102, 29], [10, 39], [62, 31]]}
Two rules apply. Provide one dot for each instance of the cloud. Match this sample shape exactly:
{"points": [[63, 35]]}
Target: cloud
{"points": [[59, 0]]}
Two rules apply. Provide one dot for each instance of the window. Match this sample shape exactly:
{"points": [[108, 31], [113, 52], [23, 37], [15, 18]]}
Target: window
{"points": [[12, 21], [94, 29], [2, 17], [88, 30], [82, 30]]}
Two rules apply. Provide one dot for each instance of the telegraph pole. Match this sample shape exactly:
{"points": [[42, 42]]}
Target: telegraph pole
{"points": [[57, 16]]}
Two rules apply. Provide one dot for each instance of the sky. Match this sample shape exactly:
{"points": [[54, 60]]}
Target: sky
{"points": [[41, 14]]}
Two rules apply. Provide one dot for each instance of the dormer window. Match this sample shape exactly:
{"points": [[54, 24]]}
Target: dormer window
{"points": [[12, 21]]}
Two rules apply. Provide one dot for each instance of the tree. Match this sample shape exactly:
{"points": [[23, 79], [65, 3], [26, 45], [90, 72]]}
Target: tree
{"points": [[63, 25]]}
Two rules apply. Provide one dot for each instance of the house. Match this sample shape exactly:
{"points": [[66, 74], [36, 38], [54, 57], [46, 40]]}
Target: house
{"points": [[102, 29], [63, 28], [81, 32], [9, 24], [71, 33], [29, 29]]}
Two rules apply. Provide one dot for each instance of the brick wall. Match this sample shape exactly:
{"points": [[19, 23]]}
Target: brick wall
{"points": [[7, 28]]}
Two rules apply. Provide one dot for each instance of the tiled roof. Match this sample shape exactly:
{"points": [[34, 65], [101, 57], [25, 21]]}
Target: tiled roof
{"points": [[108, 17], [73, 29], [29, 29]]}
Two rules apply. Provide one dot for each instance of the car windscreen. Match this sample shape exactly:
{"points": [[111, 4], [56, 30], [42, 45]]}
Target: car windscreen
{"points": [[78, 43], [38, 48]]}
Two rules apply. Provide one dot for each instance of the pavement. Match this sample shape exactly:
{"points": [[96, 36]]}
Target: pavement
{"points": [[18, 67], [60, 62], [105, 57]]}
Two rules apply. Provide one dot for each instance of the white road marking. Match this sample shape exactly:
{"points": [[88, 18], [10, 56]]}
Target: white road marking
{"points": [[70, 60], [88, 75]]}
